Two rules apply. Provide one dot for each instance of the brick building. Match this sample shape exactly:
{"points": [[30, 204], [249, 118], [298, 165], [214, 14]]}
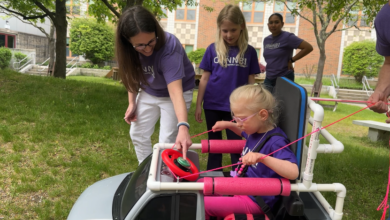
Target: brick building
{"points": [[196, 28]]}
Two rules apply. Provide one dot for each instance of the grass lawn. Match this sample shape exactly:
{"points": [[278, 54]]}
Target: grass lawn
{"points": [[343, 83], [59, 136]]}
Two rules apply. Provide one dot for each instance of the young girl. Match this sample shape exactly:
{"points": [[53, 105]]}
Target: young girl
{"points": [[254, 110], [154, 68], [278, 51], [228, 63]]}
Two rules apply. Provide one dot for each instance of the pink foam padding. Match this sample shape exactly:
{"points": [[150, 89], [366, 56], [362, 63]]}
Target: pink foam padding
{"points": [[208, 185], [246, 186], [223, 146], [286, 187]]}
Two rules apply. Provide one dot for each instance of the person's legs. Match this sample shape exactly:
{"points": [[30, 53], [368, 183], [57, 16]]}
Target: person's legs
{"points": [[269, 84], [212, 116], [227, 116], [141, 130], [168, 120], [221, 206]]}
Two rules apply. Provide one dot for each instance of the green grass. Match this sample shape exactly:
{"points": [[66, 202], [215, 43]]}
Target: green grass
{"points": [[59, 136], [343, 83]]}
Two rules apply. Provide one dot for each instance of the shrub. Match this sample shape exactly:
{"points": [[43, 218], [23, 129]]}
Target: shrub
{"points": [[197, 55], [95, 66], [107, 67], [361, 58], [86, 65], [20, 56], [5, 57]]}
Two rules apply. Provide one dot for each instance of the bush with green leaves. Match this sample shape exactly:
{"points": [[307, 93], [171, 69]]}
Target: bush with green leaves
{"points": [[197, 55], [361, 59], [19, 57], [86, 65], [95, 41], [107, 67], [5, 57]]}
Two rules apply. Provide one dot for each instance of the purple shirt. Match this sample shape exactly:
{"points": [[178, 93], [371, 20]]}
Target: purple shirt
{"points": [[382, 28], [223, 80], [278, 51], [166, 65], [261, 170]]}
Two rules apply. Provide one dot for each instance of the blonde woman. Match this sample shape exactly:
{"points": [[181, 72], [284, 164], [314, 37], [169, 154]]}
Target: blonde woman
{"points": [[228, 63]]}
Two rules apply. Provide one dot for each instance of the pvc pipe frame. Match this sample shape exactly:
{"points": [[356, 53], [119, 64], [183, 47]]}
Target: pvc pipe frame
{"points": [[155, 185], [335, 146]]}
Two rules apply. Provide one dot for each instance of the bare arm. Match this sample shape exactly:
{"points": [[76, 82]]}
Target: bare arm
{"points": [[306, 48], [251, 79], [222, 125], [382, 90], [284, 168], [130, 114], [201, 90], [183, 140]]}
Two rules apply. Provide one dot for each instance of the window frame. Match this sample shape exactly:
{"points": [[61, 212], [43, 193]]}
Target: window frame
{"points": [[253, 13], [186, 9], [71, 55], [358, 23], [284, 12], [6, 40], [71, 5], [184, 46]]}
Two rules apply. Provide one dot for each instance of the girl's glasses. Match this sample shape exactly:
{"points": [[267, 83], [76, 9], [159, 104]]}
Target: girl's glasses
{"points": [[143, 46], [240, 121]]}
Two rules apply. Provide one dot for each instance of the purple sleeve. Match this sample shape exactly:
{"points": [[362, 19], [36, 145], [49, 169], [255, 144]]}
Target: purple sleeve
{"points": [[285, 153], [294, 41], [254, 65], [172, 68], [207, 60], [383, 31], [245, 135]]}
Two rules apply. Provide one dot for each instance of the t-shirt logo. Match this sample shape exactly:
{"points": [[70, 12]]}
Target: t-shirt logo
{"points": [[232, 61], [149, 70], [272, 46], [244, 152]]}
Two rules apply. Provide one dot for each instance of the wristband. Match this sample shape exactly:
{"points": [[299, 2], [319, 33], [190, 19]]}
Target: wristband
{"points": [[183, 123]]}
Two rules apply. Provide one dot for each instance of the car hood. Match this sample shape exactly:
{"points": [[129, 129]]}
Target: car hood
{"points": [[96, 201]]}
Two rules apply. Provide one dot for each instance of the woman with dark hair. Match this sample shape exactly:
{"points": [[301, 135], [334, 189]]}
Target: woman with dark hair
{"points": [[278, 51], [159, 79]]}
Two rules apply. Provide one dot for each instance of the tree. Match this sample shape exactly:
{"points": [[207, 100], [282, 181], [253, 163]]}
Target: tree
{"points": [[94, 41], [56, 11], [196, 56], [361, 59], [328, 17], [112, 9]]}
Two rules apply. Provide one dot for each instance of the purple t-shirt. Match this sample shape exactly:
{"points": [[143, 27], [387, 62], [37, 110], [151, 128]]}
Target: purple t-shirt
{"points": [[278, 51], [261, 170], [223, 80], [166, 65], [383, 31]]}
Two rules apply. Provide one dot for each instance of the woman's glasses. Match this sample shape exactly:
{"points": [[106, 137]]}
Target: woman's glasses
{"points": [[143, 46], [241, 121]]}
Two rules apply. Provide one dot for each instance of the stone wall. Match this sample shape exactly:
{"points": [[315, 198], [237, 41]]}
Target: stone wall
{"points": [[40, 44]]}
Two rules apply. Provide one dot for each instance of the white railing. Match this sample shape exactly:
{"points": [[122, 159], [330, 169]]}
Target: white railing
{"points": [[336, 87], [44, 66], [366, 86], [28, 59], [74, 62]]}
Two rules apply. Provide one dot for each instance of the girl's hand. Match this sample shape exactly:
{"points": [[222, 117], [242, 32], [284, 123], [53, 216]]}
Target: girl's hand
{"points": [[290, 66], [251, 158], [198, 114], [220, 125], [183, 141], [130, 114]]}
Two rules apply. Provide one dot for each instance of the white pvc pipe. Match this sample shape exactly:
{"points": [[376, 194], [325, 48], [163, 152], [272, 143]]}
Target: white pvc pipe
{"points": [[335, 146]]}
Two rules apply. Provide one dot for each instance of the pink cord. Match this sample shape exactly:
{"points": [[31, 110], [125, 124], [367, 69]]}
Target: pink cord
{"points": [[342, 100], [384, 204]]}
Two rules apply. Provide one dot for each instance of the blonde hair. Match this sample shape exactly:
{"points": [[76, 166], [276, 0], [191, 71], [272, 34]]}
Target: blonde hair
{"points": [[257, 98], [233, 14]]}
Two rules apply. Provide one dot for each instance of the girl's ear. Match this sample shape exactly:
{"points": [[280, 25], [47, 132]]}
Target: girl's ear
{"points": [[242, 26], [263, 114]]}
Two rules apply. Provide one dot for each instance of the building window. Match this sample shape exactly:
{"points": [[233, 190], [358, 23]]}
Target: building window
{"points": [[253, 12], [188, 48], [7, 40], [73, 7], [282, 9], [186, 12], [68, 52], [358, 19], [165, 11]]}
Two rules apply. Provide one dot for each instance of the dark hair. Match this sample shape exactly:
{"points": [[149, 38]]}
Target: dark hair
{"points": [[278, 15], [134, 20]]}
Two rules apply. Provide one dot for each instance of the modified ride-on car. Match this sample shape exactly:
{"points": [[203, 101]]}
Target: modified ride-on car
{"points": [[156, 191]]}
